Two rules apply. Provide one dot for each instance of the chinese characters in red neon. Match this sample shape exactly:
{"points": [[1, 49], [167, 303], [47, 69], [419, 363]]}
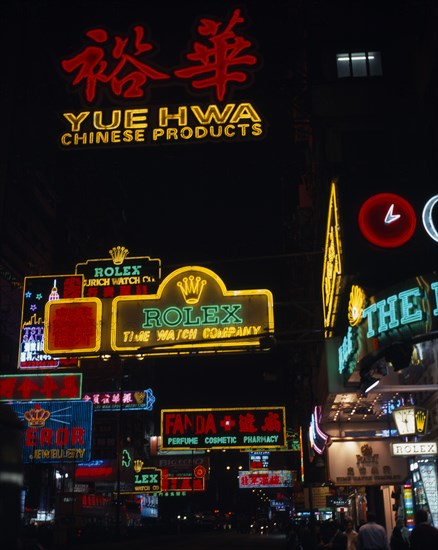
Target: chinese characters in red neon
{"points": [[219, 58]]}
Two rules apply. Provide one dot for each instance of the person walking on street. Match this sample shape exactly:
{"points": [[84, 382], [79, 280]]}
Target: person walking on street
{"points": [[400, 536], [423, 536], [339, 540], [371, 535], [351, 534]]}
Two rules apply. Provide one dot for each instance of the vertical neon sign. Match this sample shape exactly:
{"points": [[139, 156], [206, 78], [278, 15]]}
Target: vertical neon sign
{"points": [[409, 505]]}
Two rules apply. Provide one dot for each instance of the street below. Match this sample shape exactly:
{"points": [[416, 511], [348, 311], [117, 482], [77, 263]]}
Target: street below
{"points": [[215, 540]]}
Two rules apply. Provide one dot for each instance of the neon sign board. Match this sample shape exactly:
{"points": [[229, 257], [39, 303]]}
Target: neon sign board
{"points": [[239, 428], [125, 400], [265, 479], [317, 438], [37, 292], [96, 470], [428, 476], [399, 314], [58, 431], [120, 66], [332, 265], [192, 309], [119, 275], [18, 387], [389, 221], [73, 325], [259, 460], [182, 483], [147, 480]]}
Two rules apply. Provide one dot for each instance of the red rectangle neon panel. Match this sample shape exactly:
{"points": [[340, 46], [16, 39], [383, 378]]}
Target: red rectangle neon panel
{"points": [[72, 326]]}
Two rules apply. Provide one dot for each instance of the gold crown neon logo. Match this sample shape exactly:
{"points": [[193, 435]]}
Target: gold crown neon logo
{"points": [[118, 254], [191, 288], [420, 421], [356, 305], [138, 465], [37, 416]]}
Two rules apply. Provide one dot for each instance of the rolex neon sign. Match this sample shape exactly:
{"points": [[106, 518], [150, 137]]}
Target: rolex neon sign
{"points": [[191, 310]]}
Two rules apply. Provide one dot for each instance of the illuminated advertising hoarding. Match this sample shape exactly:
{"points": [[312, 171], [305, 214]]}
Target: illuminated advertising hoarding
{"points": [[317, 438], [237, 428], [58, 431], [333, 264], [397, 314], [39, 387], [183, 463], [136, 478], [427, 470], [119, 275], [420, 448], [147, 480], [259, 460], [409, 505], [121, 400], [183, 472], [360, 462], [265, 479], [182, 483], [122, 66], [37, 292], [149, 506], [192, 309], [95, 471], [73, 325]]}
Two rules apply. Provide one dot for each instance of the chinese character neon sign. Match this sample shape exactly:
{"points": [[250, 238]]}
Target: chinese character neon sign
{"points": [[218, 59]]}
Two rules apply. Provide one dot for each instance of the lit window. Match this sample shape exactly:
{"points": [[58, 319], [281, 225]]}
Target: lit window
{"points": [[359, 64]]}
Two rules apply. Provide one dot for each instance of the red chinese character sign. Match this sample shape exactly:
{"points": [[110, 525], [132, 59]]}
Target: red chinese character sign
{"points": [[237, 428], [39, 387], [73, 325], [193, 482], [265, 479], [125, 68]]}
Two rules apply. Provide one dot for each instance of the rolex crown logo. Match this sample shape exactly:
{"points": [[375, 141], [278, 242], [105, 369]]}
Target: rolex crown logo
{"points": [[420, 421], [118, 254], [37, 416], [366, 450], [191, 288], [138, 465]]}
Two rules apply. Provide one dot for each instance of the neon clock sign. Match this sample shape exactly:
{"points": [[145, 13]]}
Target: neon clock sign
{"points": [[388, 220]]}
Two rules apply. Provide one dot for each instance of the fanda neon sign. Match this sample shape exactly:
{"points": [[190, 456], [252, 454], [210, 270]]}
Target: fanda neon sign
{"points": [[235, 428]]}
